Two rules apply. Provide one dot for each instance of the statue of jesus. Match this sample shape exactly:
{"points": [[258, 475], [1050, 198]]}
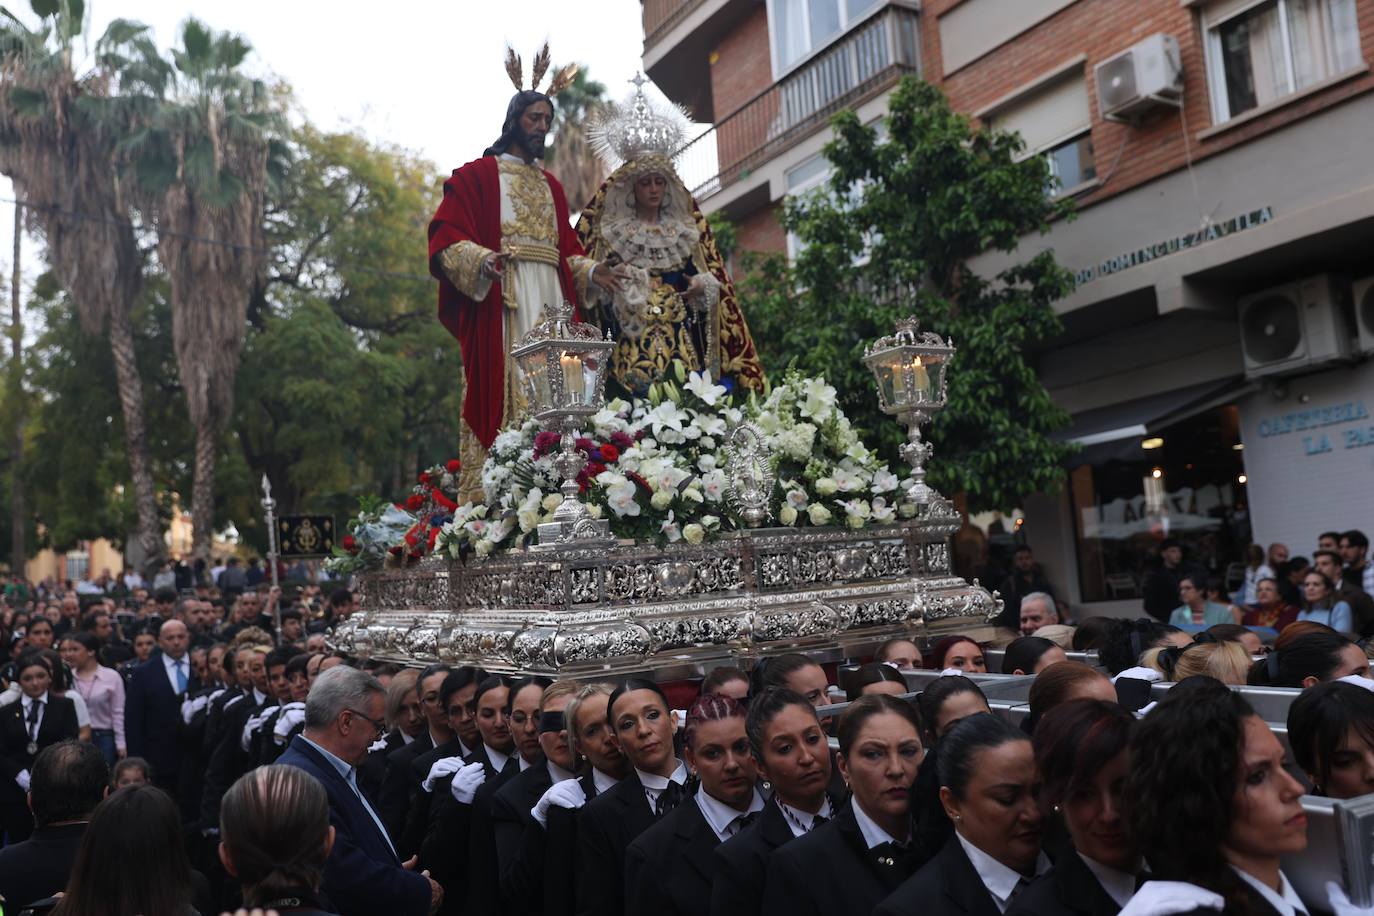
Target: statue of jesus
{"points": [[502, 247]]}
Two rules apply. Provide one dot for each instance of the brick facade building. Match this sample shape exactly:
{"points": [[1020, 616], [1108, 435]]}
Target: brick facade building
{"points": [[1224, 236]]}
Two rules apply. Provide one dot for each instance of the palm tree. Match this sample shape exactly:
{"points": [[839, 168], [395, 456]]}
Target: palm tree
{"points": [[58, 134], [205, 156], [570, 154]]}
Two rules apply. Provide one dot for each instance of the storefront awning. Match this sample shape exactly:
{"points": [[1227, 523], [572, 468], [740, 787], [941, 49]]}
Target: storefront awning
{"points": [[1115, 431]]}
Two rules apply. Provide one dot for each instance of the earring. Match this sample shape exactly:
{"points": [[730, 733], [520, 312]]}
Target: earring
{"points": [[1056, 809]]}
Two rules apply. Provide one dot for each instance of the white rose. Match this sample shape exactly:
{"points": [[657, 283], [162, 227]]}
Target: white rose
{"points": [[552, 501], [788, 515], [907, 510], [594, 510], [856, 521], [711, 522], [694, 533], [826, 486], [485, 547], [818, 514], [693, 494], [661, 499], [528, 519]]}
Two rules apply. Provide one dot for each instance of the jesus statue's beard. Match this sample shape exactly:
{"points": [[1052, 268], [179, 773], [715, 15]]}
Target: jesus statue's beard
{"points": [[532, 144]]}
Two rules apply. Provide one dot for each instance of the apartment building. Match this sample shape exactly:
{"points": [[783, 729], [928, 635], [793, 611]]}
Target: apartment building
{"points": [[1221, 153]]}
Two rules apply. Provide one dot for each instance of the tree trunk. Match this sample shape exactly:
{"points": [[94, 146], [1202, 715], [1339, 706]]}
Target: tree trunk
{"points": [[203, 489], [18, 529], [149, 532]]}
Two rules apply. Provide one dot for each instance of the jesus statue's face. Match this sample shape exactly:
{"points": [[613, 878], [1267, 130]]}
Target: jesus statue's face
{"points": [[649, 191], [534, 128]]}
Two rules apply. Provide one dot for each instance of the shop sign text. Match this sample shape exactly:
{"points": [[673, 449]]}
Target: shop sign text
{"points": [[1178, 243]]}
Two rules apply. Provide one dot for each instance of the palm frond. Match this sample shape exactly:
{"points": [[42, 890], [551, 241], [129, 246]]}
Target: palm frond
{"points": [[231, 51], [197, 42], [72, 19], [44, 9]]}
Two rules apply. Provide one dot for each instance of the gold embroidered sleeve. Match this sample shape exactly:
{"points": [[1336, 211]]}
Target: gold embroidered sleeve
{"points": [[462, 264], [582, 268]]}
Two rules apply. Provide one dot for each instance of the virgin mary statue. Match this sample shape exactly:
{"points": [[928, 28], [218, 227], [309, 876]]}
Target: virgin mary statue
{"points": [[675, 300]]}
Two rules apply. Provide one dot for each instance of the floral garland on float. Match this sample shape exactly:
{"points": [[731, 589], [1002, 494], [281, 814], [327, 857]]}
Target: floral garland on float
{"points": [[654, 468]]}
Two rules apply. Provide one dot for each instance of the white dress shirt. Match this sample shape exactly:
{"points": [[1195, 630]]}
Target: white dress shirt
{"points": [[873, 834], [604, 782], [498, 760], [1119, 885], [171, 665], [31, 728], [1285, 901], [1000, 880], [721, 818], [558, 774], [803, 822], [654, 784], [350, 776]]}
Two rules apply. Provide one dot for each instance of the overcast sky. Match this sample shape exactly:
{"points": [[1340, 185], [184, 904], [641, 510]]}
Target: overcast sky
{"points": [[423, 74]]}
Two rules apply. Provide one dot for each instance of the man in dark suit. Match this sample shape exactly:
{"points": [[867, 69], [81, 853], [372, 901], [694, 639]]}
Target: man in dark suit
{"points": [[363, 875], [67, 782], [399, 789], [152, 707]]}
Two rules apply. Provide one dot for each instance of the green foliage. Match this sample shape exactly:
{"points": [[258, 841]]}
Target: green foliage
{"points": [[894, 234]]}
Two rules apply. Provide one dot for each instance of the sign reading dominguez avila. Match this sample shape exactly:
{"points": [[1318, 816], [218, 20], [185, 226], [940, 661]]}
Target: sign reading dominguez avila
{"points": [[1166, 247]]}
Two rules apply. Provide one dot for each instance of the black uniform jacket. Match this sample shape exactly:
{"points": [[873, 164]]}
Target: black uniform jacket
{"points": [[519, 859], [831, 870], [948, 885], [559, 841], [606, 826], [1067, 889], [742, 864]]}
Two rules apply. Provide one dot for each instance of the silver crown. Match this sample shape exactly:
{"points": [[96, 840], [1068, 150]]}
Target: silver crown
{"points": [[638, 128]]}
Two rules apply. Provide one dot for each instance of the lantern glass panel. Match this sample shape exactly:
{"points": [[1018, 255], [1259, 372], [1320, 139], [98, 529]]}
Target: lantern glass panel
{"points": [[887, 372], [535, 369]]}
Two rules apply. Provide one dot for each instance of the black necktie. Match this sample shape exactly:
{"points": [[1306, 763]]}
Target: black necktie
{"points": [[818, 820], [668, 799], [1021, 885], [33, 719], [742, 823]]}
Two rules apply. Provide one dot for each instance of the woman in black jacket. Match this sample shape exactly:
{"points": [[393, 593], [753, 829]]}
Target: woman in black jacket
{"points": [[638, 715], [987, 785], [669, 868], [851, 863], [1081, 752], [794, 758], [36, 720]]}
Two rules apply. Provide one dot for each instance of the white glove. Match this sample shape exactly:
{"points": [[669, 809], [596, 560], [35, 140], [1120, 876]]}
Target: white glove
{"points": [[292, 714], [466, 781], [445, 767], [1145, 710], [1141, 674], [1165, 898], [22, 779], [190, 707], [954, 672], [1340, 903], [252, 725], [566, 794]]}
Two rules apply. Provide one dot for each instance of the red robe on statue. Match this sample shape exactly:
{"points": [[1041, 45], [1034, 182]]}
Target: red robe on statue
{"points": [[471, 211]]}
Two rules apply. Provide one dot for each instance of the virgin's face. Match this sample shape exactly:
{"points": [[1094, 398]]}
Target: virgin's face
{"points": [[881, 765], [719, 755], [645, 729], [1267, 821], [796, 757], [999, 813], [649, 191], [1093, 815], [1352, 767], [596, 739], [966, 656]]}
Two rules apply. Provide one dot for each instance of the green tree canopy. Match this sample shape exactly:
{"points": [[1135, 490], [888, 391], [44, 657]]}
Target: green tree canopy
{"points": [[893, 234]]}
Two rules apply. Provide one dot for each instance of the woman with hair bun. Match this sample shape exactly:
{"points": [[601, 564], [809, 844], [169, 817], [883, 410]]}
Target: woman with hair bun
{"points": [[1063, 683], [988, 785], [275, 836], [1208, 793], [793, 757], [876, 677], [670, 867], [1031, 655], [865, 852], [1309, 659], [1081, 753], [1331, 731], [639, 716]]}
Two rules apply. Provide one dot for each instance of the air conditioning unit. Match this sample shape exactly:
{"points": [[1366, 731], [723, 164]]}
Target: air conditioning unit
{"points": [[1295, 326], [1147, 75], [1364, 313]]}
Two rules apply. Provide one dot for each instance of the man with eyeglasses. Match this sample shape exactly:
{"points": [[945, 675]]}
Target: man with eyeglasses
{"points": [[363, 875]]}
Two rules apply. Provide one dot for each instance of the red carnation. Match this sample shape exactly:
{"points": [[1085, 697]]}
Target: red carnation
{"points": [[414, 501], [584, 444], [639, 480], [433, 534], [350, 543], [622, 439], [595, 468], [610, 454], [443, 500], [453, 466], [424, 477]]}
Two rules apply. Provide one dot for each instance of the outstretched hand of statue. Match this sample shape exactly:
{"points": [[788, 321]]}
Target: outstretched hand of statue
{"points": [[609, 278], [493, 265]]}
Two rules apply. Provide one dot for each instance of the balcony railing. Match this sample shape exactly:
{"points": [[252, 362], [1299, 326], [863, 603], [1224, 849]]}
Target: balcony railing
{"points": [[662, 15], [871, 56]]}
